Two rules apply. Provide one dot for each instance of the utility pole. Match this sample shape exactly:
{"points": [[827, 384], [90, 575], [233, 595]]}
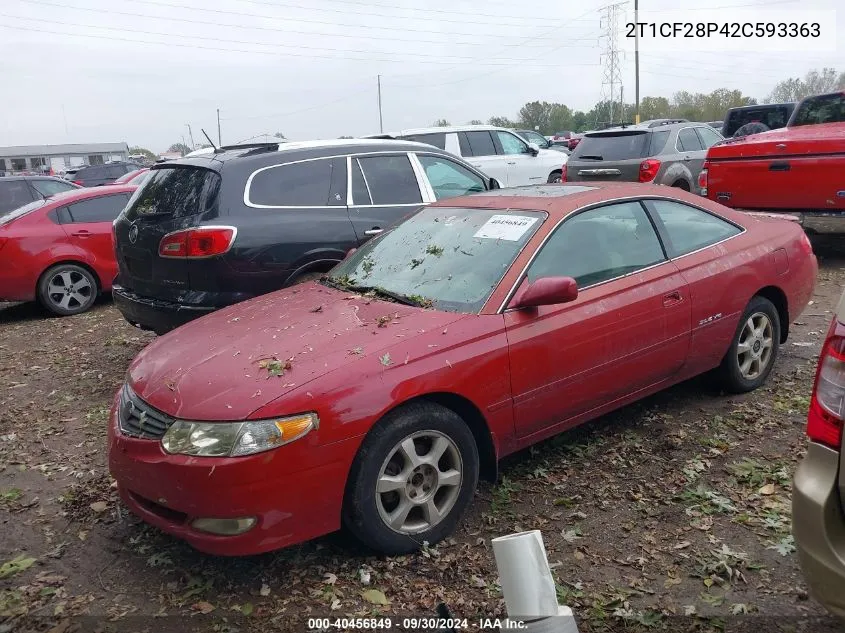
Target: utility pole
{"points": [[637, 60], [380, 119], [191, 136], [219, 137], [612, 75]]}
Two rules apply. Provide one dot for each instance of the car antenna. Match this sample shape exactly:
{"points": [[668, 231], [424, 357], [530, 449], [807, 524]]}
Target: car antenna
{"points": [[209, 140]]}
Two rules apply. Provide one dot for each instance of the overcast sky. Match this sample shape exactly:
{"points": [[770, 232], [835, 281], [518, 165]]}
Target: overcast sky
{"points": [[76, 71]]}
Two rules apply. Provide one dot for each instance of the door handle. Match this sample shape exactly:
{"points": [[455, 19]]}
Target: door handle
{"points": [[81, 233], [687, 158], [779, 166], [373, 231], [672, 298]]}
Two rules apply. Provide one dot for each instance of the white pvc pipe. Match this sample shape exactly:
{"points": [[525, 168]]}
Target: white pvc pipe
{"points": [[525, 576]]}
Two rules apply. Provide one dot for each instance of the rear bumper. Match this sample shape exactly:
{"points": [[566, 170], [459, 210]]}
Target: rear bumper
{"points": [[155, 314], [818, 524], [821, 222]]}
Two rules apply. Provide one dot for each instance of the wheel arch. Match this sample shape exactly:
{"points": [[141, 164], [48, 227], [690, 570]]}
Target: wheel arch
{"points": [[779, 300], [322, 265]]}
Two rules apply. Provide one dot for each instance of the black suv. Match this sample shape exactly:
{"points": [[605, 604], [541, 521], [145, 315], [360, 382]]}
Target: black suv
{"points": [[206, 232], [97, 175], [16, 191]]}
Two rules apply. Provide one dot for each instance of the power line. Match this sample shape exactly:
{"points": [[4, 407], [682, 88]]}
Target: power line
{"points": [[228, 41]]}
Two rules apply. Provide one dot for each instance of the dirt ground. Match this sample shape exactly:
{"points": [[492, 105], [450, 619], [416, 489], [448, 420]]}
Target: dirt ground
{"points": [[672, 514]]}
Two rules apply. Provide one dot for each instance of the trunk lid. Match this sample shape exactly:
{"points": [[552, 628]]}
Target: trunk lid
{"points": [[173, 198], [209, 368], [805, 140]]}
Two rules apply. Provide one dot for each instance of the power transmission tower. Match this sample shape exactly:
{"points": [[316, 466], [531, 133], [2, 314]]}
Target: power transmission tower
{"points": [[611, 83]]}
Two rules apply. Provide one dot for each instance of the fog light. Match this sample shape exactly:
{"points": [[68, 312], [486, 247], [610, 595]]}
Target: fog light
{"points": [[224, 527]]}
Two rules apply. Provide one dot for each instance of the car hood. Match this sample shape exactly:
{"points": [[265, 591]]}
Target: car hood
{"points": [[202, 370]]}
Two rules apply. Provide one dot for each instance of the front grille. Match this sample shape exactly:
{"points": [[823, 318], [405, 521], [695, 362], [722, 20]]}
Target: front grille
{"points": [[138, 419]]}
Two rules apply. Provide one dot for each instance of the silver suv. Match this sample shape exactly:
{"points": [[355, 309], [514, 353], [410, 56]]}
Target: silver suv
{"points": [[664, 151]]}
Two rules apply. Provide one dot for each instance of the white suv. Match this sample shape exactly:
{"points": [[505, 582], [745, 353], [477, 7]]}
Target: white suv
{"points": [[497, 152]]}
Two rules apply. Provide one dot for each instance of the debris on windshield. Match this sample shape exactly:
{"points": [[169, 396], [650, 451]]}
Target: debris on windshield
{"points": [[415, 262], [385, 360], [423, 302], [357, 351], [367, 265], [432, 249], [275, 367], [383, 321]]}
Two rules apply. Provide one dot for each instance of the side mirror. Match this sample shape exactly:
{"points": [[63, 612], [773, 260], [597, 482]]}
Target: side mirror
{"points": [[349, 253], [493, 184], [545, 291], [533, 149]]}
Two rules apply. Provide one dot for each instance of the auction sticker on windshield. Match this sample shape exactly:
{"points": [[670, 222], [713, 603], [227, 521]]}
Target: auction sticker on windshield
{"points": [[505, 227]]}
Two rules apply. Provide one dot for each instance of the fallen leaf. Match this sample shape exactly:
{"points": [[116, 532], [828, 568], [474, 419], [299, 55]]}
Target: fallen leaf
{"points": [[336, 604], [203, 607], [330, 579], [385, 360], [99, 506], [247, 609], [317, 309], [15, 566], [265, 589], [364, 575], [374, 596], [768, 489]]}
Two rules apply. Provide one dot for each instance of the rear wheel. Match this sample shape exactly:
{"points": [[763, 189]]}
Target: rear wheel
{"points": [[681, 184], [412, 480], [554, 177], [67, 289], [755, 345]]}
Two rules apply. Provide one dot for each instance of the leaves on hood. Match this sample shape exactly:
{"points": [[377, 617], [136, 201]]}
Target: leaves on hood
{"points": [[385, 360], [275, 367]]}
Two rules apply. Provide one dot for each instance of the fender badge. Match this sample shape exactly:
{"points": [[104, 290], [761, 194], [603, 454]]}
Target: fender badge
{"points": [[133, 233]]}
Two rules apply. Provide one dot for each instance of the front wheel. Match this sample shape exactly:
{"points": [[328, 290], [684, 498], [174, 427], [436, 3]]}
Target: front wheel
{"points": [[412, 480], [555, 177], [754, 348], [67, 289]]}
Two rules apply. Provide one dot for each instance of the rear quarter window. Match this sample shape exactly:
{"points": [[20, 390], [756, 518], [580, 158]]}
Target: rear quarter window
{"points": [[175, 191]]}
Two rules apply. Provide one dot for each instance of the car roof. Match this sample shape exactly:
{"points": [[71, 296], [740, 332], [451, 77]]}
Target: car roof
{"points": [[31, 177], [450, 128], [558, 200]]}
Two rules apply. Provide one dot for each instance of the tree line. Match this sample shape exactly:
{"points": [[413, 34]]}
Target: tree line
{"points": [[549, 118]]}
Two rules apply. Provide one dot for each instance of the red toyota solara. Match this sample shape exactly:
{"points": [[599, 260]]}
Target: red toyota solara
{"points": [[59, 250], [376, 397]]}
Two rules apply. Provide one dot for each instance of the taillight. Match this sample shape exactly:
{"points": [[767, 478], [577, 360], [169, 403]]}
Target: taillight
{"points": [[702, 178], [649, 169], [827, 406], [206, 241], [563, 173]]}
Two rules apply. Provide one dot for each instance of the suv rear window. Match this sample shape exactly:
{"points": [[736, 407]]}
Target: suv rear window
{"points": [[438, 139], [773, 117], [823, 109], [621, 145], [175, 191]]}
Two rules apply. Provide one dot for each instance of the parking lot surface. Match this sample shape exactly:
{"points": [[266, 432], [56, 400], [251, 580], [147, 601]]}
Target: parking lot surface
{"points": [[672, 514]]}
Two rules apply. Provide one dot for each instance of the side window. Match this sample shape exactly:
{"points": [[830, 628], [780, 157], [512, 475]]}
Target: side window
{"points": [[688, 141], [481, 143], [708, 136], [13, 194], [360, 192], [599, 245], [658, 142], [688, 228], [50, 187], [448, 178], [391, 179], [337, 191], [463, 141], [511, 144], [438, 139], [102, 209], [304, 184]]}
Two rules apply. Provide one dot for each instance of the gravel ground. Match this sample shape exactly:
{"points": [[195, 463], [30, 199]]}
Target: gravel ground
{"points": [[671, 514]]}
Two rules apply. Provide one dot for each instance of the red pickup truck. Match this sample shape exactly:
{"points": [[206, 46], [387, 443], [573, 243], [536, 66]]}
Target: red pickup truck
{"points": [[799, 169]]}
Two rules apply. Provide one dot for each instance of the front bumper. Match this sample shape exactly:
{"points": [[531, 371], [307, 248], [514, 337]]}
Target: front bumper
{"points": [[295, 492], [818, 524], [158, 315]]}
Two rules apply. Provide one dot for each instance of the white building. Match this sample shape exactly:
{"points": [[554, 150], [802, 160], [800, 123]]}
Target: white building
{"points": [[41, 158]]}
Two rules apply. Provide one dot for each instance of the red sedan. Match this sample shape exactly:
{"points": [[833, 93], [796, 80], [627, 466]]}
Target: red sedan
{"points": [[59, 251], [136, 177], [376, 397]]}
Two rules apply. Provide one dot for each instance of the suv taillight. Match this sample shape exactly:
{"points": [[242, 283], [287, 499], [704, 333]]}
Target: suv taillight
{"points": [[563, 173], [702, 178], [206, 241], [649, 169], [827, 406]]}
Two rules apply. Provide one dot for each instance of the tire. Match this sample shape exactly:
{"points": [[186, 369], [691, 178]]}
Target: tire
{"points": [[384, 456], [67, 289], [554, 177], [765, 335], [681, 184]]}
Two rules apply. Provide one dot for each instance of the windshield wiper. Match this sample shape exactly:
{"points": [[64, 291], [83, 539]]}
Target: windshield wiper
{"points": [[592, 156]]}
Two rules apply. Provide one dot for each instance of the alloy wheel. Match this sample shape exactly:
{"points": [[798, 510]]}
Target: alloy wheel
{"points": [[756, 342], [69, 290]]}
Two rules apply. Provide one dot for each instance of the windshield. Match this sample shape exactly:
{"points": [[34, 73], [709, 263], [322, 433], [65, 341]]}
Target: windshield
{"points": [[448, 258], [824, 109]]}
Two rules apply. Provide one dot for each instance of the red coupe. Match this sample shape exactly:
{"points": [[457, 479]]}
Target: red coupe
{"points": [[376, 397], [59, 250]]}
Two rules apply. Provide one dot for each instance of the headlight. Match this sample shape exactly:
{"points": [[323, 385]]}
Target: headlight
{"points": [[235, 439]]}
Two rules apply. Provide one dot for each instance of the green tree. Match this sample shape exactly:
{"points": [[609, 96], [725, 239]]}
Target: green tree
{"points": [[441, 123], [536, 115], [560, 118], [476, 122], [502, 121], [179, 147], [142, 150], [815, 82], [655, 108]]}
